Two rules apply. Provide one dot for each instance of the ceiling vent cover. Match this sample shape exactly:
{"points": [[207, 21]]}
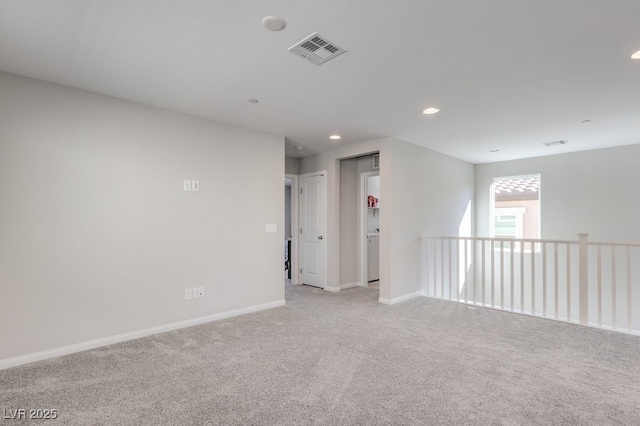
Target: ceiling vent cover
{"points": [[317, 49], [554, 143]]}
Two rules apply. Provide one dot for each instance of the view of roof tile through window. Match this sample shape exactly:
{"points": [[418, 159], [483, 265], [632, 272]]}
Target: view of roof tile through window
{"points": [[522, 186]]}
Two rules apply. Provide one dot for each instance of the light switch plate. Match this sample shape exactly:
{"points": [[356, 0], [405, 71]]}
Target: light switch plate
{"points": [[272, 227], [195, 185]]}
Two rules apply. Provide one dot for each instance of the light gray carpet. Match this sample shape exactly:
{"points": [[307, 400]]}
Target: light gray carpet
{"points": [[343, 359]]}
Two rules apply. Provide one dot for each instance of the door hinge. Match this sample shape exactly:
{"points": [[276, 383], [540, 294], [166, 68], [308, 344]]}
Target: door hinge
{"points": [[301, 230], [300, 270], [301, 190]]}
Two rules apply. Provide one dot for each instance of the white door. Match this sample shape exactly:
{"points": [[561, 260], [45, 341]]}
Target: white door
{"points": [[313, 223]]}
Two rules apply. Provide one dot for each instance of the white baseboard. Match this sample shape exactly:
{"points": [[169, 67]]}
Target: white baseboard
{"points": [[92, 344], [332, 289], [349, 285], [401, 298]]}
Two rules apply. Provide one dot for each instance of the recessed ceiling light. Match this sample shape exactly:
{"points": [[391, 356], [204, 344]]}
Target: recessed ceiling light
{"points": [[555, 143], [253, 101], [636, 55], [273, 23], [300, 148], [335, 137], [430, 111]]}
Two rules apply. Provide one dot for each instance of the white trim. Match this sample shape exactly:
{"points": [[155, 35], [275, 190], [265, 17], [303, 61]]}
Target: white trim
{"points": [[350, 285], [332, 289], [295, 233], [404, 298], [92, 344]]}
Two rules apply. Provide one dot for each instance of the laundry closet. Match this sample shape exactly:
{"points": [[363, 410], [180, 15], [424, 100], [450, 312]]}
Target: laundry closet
{"points": [[360, 207], [373, 228]]}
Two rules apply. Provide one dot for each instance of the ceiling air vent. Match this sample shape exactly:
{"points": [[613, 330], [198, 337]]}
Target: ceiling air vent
{"points": [[317, 49], [554, 143]]}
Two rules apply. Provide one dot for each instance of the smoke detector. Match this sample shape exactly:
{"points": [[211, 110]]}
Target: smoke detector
{"points": [[273, 23], [317, 49]]}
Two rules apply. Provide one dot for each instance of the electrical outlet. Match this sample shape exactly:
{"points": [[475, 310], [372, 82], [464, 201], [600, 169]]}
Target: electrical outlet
{"points": [[198, 292], [188, 295], [186, 185]]}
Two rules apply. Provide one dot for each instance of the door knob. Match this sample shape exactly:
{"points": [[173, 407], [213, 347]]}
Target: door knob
{"points": [[319, 237]]}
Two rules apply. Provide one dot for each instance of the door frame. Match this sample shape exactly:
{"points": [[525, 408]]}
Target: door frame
{"points": [[295, 232], [323, 174], [362, 226]]}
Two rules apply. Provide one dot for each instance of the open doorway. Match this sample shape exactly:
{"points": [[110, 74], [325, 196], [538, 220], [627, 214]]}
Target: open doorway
{"points": [[369, 198], [290, 237], [359, 227]]}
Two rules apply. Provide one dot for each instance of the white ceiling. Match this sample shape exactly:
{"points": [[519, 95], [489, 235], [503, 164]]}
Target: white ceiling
{"points": [[506, 74]]}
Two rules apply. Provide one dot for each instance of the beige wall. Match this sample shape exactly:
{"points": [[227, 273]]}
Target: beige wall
{"points": [[97, 236]]}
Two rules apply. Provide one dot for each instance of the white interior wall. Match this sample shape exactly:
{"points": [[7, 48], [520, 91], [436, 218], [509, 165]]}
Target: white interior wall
{"points": [[430, 194], [98, 236], [292, 165], [590, 191], [424, 193], [349, 221]]}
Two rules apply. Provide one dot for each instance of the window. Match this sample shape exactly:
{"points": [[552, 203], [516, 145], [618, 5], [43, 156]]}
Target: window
{"points": [[515, 211]]}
